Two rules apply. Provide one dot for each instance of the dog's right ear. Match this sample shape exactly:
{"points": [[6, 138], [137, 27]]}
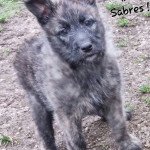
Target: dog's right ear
{"points": [[42, 9]]}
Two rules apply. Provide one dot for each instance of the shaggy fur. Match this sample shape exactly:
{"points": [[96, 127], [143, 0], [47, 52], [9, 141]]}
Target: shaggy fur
{"points": [[69, 73]]}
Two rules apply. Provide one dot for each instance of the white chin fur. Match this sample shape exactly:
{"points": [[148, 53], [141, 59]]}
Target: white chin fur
{"points": [[91, 58]]}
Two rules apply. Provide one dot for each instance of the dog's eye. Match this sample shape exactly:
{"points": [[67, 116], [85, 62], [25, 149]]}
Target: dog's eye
{"points": [[89, 22], [64, 28], [63, 32]]}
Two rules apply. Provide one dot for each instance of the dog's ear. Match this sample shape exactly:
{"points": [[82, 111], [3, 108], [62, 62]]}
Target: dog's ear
{"points": [[91, 2], [42, 9]]}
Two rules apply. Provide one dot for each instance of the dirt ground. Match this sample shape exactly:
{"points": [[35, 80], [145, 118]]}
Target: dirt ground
{"points": [[15, 115]]}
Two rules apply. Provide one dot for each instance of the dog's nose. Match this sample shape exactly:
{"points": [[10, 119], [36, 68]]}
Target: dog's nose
{"points": [[87, 47]]}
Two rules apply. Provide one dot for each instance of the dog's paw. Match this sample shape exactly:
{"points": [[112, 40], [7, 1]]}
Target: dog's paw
{"points": [[128, 114], [131, 144]]}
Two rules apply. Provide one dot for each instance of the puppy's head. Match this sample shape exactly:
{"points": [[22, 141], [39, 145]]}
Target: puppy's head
{"points": [[73, 27]]}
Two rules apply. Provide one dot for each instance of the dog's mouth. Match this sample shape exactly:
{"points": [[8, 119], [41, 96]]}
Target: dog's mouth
{"points": [[91, 57]]}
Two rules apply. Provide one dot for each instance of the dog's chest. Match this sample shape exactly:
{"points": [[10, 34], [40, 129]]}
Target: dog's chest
{"points": [[90, 79]]}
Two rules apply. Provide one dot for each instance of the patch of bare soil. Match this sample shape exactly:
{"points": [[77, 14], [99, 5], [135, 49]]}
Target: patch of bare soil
{"points": [[15, 115]]}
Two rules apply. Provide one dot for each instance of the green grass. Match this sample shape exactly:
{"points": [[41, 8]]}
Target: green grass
{"points": [[145, 89], [122, 43], [7, 9], [146, 14], [1, 29], [116, 5], [5, 140], [147, 101], [142, 58], [113, 5], [4, 53], [129, 107], [123, 22], [7, 52]]}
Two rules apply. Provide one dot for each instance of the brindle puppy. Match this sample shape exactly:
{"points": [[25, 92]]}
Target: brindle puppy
{"points": [[70, 73]]}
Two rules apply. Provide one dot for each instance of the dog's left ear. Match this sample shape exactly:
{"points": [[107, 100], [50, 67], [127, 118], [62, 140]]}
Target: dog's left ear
{"points": [[91, 2], [42, 9]]}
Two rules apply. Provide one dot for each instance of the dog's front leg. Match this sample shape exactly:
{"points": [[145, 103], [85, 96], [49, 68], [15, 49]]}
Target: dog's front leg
{"points": [[116, 119], [72, 130]]}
